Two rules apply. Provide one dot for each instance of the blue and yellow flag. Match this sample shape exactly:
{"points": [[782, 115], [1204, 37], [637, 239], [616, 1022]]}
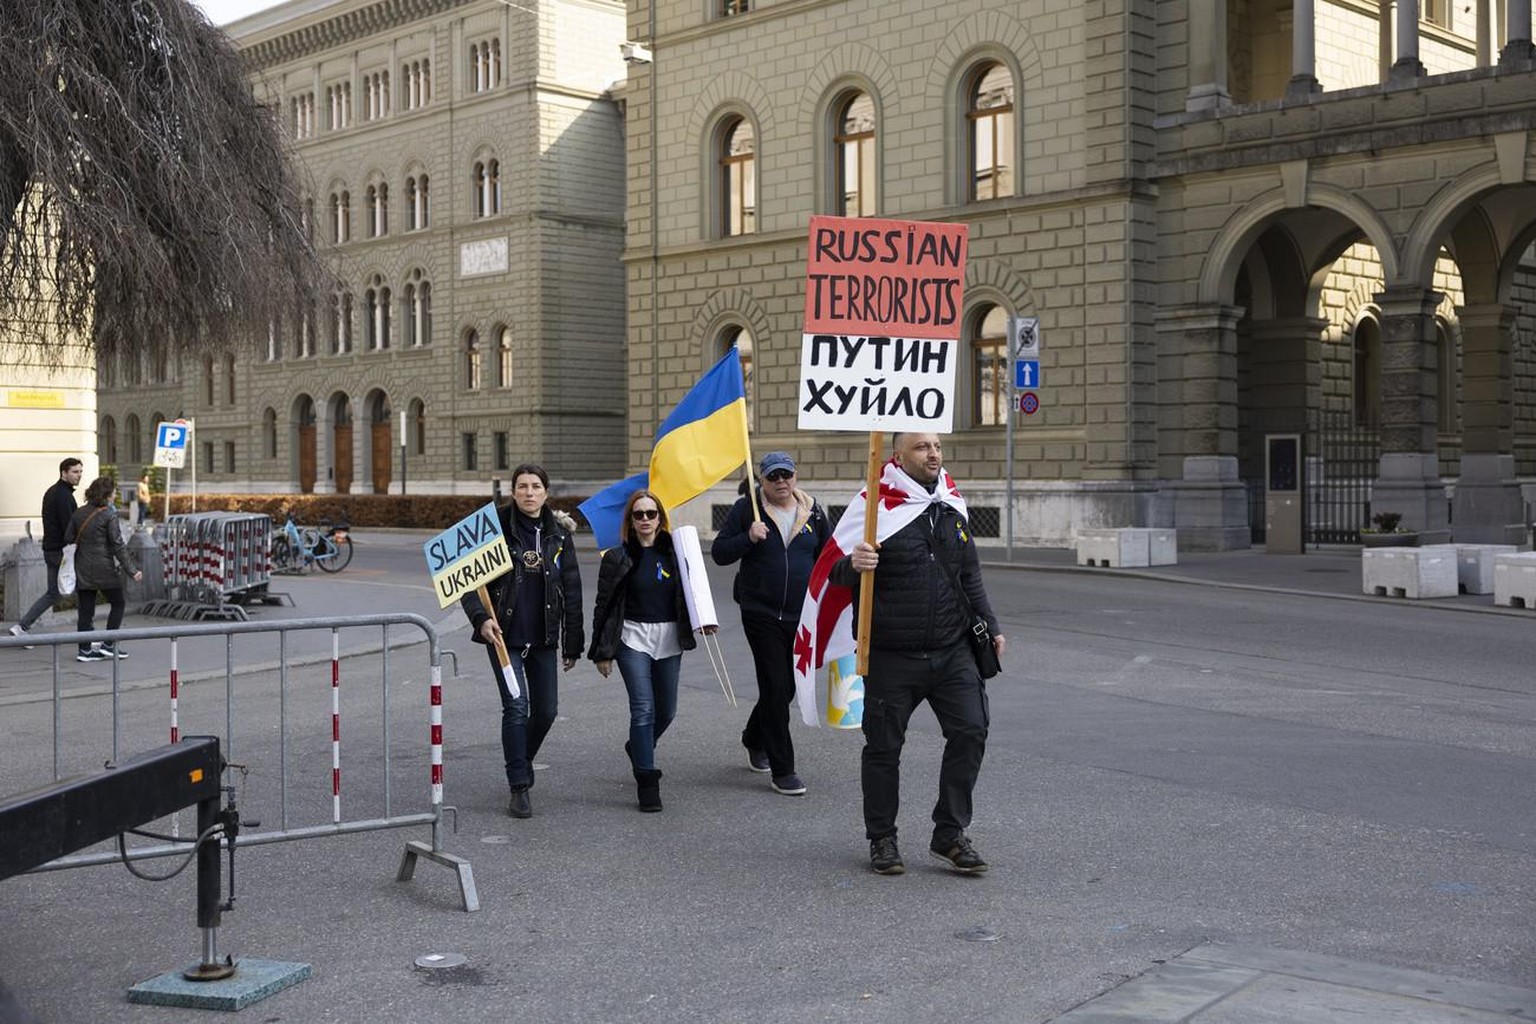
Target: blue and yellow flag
{"points": [[605, 509], [705, 439]]}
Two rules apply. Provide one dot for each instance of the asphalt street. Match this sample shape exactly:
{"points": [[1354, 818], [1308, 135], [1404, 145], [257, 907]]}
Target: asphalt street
{"points": [[1171, 769]]}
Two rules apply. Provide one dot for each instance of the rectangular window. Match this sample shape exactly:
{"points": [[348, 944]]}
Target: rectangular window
{"points": [[208, 463], [502, 461], [730, 7], [229, 456], [471, 463]]}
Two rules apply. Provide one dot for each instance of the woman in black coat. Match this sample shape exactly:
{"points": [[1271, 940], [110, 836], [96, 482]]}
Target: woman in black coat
{"points": [[538, 617], [101, 560], [641, 622]]}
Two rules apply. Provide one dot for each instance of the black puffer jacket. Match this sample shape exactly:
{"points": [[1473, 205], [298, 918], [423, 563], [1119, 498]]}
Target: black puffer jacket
{"points": [[916, 606], [101, 557], [772, 578], [608, 613], [562, 584], [58, 507]]}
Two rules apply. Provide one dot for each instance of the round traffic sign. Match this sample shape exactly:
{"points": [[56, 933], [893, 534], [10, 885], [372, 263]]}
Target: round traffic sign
{"points": [[1029, 403]]}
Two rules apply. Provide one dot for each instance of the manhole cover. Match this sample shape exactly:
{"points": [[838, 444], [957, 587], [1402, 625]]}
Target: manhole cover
{"points": [[439, 961], [977, 935]]}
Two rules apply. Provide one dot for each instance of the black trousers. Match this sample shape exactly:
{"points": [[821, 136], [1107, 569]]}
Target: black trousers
{"points": [[897, 682], [772, 642], [85, 613]]}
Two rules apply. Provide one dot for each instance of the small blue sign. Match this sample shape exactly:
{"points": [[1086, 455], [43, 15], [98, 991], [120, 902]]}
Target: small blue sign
{"points": [[1026, 373], [171, 435]]}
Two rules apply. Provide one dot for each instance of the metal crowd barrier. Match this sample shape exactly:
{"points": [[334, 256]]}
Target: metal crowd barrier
{"points": [[213, 562], [287, 829]]}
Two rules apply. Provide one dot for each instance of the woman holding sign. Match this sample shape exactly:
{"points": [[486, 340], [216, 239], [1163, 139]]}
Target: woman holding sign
{"points": [[537, 605], [641, 621]]}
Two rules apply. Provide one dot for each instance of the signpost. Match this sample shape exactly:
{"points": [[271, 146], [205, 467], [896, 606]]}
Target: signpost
{"points": [[171, 443], [883, 303], [1024, 351], [465, 557]]}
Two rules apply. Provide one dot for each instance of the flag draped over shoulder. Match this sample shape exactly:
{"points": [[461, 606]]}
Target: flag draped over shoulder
{"points": [[826, 631], [604, 511], [705, 438]]}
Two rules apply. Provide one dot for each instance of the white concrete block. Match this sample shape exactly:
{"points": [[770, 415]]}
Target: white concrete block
{"points": [[1162, 547], [1414, 573], [1116, 548], [1474, 566], [1514, 580]]}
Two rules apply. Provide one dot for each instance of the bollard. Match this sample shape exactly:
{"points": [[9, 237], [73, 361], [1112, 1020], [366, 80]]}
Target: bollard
{"points": [[26, 577], [147, 553]]}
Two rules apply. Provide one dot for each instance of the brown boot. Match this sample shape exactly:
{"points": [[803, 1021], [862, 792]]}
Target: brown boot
{"points": [[648, 787]]}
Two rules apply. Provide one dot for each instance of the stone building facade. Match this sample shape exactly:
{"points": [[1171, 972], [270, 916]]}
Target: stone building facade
{"points": [[1233, 219], [465, 164]]}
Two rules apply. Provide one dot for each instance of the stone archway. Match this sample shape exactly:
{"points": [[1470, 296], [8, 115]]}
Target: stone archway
{"points": [[305, 443], [339, 413], [378, 455]]}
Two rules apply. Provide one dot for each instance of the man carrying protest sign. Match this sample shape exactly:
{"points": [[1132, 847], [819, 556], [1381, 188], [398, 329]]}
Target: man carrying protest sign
{"points": [[927, 585]]}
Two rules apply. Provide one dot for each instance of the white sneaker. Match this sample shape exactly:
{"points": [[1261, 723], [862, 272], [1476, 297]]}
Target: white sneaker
{"points": [[18, 629]]}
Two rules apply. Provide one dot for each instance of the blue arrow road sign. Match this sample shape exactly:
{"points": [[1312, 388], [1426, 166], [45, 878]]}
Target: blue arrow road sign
{"points": [[1026, 373]]}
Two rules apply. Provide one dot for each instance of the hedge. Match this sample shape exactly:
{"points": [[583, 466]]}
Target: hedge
{"points": [[410, 511]]}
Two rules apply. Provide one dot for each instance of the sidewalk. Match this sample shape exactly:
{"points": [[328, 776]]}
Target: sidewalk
{"points": [[1331, 572]]}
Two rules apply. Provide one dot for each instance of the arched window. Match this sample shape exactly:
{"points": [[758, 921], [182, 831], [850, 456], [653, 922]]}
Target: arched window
{"points": [[487, 181], [472, 360], [341, 216], [107, 441], [735, 334], [504, 357], [1445, 379], [376, 302], [341, 322], [989, 122], [485, 65], [417, 212], [738, 178], [274, 339], [989, 366], [210, 384], [304, 327], [229, 379], [1367, 372], [269, 433], [416, 305], [854, 146], [378, 210], [417, 415], [135, 442]]}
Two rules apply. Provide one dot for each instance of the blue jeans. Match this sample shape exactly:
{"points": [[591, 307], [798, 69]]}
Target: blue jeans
{"points": [[526, 720], [652, 686], [50, 597]]}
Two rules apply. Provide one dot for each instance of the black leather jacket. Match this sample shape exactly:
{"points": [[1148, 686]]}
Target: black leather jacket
{"points": [[608, 613], [772, 578], [562, 584], [916, 605]]}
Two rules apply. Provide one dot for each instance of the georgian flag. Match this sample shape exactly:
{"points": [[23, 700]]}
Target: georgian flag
{"points": [[826, 631]]}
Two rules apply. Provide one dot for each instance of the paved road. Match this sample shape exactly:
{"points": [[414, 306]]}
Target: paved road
{"points": [[1170, 766]]}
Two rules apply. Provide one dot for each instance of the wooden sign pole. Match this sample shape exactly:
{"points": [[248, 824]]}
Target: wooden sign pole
{"points": [[867, 580], [502, 656]]}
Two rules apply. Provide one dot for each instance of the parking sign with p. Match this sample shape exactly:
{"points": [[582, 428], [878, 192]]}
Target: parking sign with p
{"points": [[171, 444]]}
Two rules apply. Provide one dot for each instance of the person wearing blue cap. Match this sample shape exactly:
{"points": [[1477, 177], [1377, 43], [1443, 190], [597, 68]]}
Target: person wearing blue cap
{"points": [[776, 538]]}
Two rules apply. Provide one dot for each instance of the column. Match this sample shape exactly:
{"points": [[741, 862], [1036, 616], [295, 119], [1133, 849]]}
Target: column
{"points": [[1207, 56], [1384, 39], [1407, 64], [1198, 401], [1285, 375], [1303, 50], [1488, 506], [1484, 33], [1518, 20], [1409, 478]]}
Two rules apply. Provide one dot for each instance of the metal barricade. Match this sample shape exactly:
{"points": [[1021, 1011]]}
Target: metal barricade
{"points": [[331, 729], [214, 562]]}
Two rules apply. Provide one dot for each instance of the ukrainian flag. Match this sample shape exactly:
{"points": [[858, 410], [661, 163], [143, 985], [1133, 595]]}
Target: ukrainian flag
{"points": [[705, 438]]}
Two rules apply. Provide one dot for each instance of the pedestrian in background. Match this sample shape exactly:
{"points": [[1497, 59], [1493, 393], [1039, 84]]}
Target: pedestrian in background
{"points": [[101, 561], [58, 507], [641, 621], [145, 496], [927, 593], [776, 558], [538, 617]]}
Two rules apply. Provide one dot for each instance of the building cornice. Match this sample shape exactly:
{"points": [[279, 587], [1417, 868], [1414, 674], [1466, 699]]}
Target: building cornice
{"points": [[307, 31]]}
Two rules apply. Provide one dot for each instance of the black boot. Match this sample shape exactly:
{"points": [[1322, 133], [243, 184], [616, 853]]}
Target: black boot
{"points": [[648, 787]]}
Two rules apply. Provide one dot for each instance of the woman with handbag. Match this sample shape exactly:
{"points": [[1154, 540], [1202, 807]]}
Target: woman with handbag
{"points": [[641, 622], [101, 561]]}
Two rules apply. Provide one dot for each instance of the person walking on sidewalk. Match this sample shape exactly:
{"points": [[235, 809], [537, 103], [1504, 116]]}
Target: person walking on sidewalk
{"points": [[538, 617], [641, 621], [927, 582], [101, 560], [58, 506], [776, 558]]}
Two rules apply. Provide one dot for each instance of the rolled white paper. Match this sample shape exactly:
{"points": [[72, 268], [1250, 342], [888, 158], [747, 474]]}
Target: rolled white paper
{"points": [[690, 559]]}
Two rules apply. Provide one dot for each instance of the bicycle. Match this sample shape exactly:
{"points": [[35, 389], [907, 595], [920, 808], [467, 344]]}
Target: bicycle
{"points": [[327, 547]]}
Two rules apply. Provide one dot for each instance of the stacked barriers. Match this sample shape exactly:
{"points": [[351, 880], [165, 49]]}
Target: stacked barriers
{"points": [[214, 562]]}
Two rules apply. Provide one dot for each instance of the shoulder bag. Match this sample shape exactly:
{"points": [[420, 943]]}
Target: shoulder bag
{"points": [[979, 635]]}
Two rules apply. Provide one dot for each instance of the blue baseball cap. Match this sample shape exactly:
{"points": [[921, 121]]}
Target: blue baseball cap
{"points": [[775, 460]]}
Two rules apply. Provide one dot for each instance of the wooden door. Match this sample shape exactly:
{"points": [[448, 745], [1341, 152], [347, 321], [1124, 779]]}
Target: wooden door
{"points": [[382, 461], [307, 459], [343, 436]]}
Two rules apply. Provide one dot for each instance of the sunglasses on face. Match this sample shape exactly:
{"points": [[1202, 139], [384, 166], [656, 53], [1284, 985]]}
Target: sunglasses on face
{"points": [[644, 513], [780, 475]]}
